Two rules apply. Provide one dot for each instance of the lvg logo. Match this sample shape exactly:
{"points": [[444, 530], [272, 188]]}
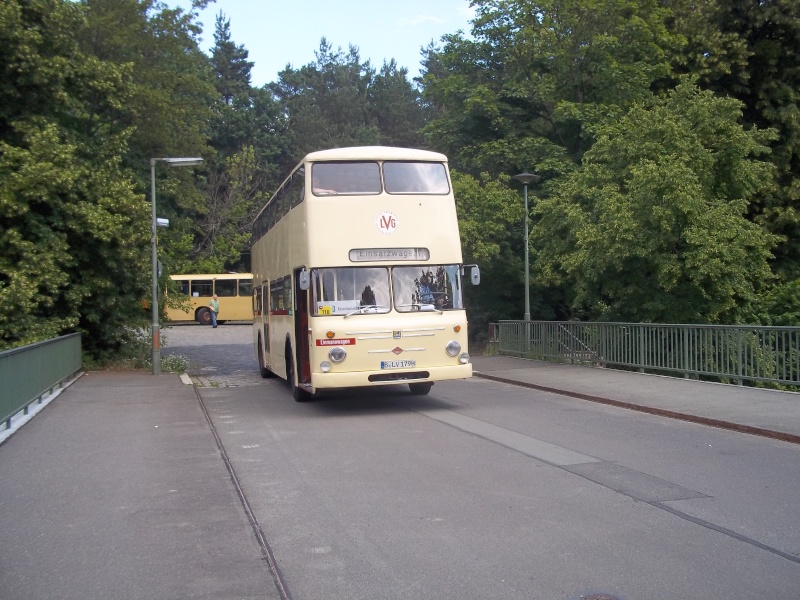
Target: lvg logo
{"points": [[386, 222]]}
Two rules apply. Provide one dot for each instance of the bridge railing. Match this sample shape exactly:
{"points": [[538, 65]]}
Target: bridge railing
{"points": [[725, 352], [29, 372]]}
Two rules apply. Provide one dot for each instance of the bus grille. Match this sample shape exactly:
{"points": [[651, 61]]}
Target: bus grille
{"points": [[399, 376]]}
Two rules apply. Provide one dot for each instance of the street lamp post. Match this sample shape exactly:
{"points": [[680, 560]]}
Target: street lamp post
{"points": [[172, 162], [527, 178]]}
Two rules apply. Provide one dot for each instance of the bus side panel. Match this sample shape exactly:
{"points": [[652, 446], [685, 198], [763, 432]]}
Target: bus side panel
{"points": [[274, 257]]}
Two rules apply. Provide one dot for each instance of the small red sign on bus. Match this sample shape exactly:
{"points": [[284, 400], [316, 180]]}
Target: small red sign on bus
{"points": [[339, 342]]}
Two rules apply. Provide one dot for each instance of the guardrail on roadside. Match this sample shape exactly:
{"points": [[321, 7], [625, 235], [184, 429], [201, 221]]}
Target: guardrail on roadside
{"points": [[727, 352], [29, 372]]}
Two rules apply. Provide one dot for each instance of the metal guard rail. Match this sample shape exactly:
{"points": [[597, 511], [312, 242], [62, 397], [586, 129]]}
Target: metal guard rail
{"points": [[725, 352], [29, 372]]}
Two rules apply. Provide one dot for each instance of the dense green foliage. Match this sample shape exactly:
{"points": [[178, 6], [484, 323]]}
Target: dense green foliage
{"points": [[652, 227], [72, 228], [666, 133]]}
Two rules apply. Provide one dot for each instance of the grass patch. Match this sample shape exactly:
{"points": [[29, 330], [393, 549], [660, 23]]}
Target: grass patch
{"points": [[136, 355]]}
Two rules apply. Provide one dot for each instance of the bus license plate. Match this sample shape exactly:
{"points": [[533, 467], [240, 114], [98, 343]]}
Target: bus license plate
{"points": [[397, 364]]}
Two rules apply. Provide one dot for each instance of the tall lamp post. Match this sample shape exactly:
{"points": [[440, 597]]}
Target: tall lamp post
{"points": [[527, 178], [172, 162]]}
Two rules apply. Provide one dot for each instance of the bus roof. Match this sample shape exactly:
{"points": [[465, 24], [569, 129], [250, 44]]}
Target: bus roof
{"points": [[375, 152], [213, 276]]}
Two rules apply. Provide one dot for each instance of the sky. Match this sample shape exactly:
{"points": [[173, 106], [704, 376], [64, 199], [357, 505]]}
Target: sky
{"points": [[281, 32]]}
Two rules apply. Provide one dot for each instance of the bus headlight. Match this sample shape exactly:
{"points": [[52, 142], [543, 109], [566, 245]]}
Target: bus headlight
{"points": [[464, 358], [452, 348], [325, 366], [337, 354]]}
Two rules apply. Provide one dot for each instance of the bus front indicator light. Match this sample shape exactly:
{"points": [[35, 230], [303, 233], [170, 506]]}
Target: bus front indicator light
{"points": [[452, 348], [337, 354]]}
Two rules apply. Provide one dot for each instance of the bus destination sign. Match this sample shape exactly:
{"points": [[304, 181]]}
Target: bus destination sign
{"points": [[388, 254]]}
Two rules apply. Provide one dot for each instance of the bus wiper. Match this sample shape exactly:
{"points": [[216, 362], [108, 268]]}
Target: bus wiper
{"points": [[367, 308], [421, 307]]}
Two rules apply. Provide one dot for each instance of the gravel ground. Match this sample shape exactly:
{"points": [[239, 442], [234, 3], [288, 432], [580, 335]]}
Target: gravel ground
{"points": [[221, 357]]}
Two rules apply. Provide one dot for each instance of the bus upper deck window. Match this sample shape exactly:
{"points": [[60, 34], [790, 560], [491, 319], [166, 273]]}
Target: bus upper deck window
{"points": [[415, 178], [347, 178]]}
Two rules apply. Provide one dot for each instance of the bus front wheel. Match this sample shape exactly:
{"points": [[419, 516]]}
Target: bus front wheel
{"points": [[203, 316], [420, 389], [298, 394]]}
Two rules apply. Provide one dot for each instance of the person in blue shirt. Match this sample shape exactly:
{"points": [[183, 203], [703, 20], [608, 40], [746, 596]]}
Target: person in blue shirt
{"points": [[425, 290]]}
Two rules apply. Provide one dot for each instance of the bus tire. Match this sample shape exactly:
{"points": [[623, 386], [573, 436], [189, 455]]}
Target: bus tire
{"points": [[265, 372], [420, 389], [203, 316], [298, 394]]}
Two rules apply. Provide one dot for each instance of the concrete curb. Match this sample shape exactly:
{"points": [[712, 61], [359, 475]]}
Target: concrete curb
{"points": [[777, 435]]}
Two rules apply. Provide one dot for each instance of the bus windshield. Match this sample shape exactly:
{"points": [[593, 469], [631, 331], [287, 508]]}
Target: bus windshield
{"points": [[432, 287], [366, 290]]}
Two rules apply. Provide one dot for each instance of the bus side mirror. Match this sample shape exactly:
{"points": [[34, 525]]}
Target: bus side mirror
{"points": [[303, 280], [475, 275]]}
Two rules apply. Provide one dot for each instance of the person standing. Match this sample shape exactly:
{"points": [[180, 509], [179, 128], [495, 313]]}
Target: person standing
{"points": [[214, 306]]}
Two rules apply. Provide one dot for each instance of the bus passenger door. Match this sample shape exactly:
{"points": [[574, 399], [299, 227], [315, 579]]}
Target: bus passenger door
{"points": [[265, 314], [302, 359]]}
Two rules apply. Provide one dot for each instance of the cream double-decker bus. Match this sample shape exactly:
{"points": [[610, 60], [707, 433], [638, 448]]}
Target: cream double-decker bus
{"points": [[357, 273]]}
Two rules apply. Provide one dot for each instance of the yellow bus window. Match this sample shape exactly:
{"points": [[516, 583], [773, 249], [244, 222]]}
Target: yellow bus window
{"points": [[202, 288], [225, 287], [245, 287], [183, 286]]}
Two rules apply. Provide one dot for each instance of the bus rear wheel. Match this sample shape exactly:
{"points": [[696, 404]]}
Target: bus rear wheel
{"points": [[420, 389], [203, 316]]}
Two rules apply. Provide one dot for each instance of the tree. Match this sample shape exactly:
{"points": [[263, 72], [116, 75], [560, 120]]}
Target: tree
{"points": [[751, 51], [171, 88], [327, 101], [168, 108], [248, 135], [231, 124], [73, 232], [539, 77], [652, 228], [396, 107], [236, 193], [490, 215]]}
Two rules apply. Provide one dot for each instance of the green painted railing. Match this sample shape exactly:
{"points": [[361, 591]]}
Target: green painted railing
{"points": [[29, 372], [725, 352]]}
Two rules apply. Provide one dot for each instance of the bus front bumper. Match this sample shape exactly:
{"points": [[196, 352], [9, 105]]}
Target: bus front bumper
{"points": [[323, 381]]}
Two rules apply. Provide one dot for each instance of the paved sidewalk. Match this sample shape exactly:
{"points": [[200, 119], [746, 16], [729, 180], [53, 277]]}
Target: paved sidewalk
{"points": [[118, 490], [763, 412]]}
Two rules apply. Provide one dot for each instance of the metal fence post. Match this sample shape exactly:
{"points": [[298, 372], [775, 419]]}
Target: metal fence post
{"points": [[686, 353]]}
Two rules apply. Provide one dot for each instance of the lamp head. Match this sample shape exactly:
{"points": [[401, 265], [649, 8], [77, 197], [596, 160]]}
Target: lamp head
{"points": [[183, 162], [526, 178]]}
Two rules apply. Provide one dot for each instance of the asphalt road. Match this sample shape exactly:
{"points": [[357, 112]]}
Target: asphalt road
{"points": [[488, 490]]}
